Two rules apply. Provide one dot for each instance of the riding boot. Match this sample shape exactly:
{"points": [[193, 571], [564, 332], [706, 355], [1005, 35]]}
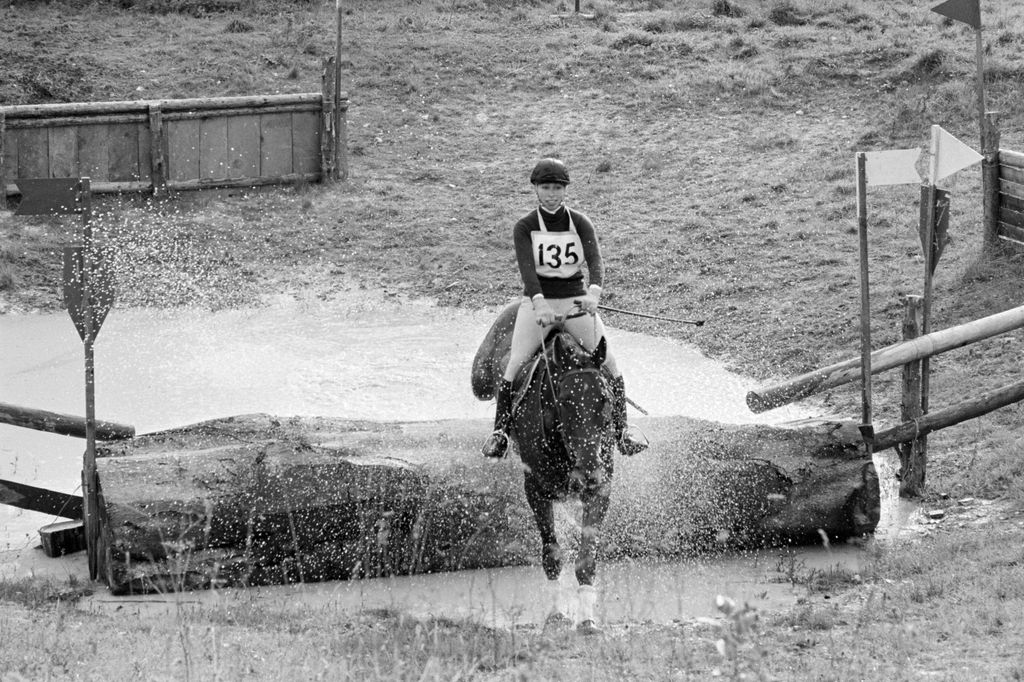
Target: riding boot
{"points": [[629, 440], [496, 445]]}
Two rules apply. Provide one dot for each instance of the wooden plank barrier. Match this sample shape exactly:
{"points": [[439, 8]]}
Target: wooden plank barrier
{"points": [[1010, 217], [761, 400], [182, 144]]}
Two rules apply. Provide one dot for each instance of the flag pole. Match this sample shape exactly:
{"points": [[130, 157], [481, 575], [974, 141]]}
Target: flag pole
{"points": [[980, 58], [867, 428], [969, 12], [89, 481]]}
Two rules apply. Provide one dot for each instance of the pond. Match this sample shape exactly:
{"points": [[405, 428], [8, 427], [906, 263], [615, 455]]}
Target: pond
{"points": [[360, 356]]}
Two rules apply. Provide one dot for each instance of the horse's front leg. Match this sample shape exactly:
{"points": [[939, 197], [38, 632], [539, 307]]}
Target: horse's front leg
{"points": [[551, 553], [595, 506]]}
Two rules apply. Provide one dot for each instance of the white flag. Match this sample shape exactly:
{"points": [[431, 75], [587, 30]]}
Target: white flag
{"points": [[892, 167], [951, 155]]}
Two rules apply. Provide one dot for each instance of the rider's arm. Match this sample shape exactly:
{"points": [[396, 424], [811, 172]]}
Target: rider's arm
{"points": [[591, 249], [524, 256]]}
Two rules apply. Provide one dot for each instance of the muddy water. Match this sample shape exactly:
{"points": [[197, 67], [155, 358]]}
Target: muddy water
{"points": [[363, 357]]}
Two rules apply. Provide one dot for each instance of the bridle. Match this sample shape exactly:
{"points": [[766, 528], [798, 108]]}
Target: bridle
{"points": [[555, 387]]}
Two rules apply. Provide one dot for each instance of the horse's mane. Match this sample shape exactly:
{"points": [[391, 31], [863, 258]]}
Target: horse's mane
{"points": [[560, 345]]}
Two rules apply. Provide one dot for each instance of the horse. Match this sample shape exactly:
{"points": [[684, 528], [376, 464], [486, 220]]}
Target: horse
{"points": [[562, 430]]}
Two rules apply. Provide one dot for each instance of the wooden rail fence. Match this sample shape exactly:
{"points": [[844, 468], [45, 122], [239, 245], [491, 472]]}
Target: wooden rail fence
{"points": [[65, 537], [159, 145], [908, 354]]}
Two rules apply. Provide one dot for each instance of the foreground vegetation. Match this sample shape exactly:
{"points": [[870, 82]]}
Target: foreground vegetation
{"points": [[946, 607], [713, 144]]}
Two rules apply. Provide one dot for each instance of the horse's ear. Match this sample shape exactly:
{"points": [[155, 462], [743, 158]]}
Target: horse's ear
{"points": [[601, 352]]}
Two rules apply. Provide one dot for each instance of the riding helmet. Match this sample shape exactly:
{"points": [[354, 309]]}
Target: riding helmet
{"points": [[549, 170]]}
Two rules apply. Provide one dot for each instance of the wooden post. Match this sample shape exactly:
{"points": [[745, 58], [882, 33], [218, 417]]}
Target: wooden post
{"points": [[979, 58], [88, 305], [912, 453], [328, 130], [340, 169], [3, 162], [157, 151], [990, 183], [927, 229], [341, 137], [867, 429]]}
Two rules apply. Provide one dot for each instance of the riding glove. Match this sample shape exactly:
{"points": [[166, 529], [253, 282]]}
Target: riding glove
{"points": [[542, 311], [588, 303]]}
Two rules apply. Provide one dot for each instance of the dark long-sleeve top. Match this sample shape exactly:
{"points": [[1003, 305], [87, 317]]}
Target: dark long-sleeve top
{"points": [[556, 287]]}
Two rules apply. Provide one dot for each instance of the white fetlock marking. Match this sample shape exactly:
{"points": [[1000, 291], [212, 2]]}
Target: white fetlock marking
{"points": [[557, 599], [587, 603]]}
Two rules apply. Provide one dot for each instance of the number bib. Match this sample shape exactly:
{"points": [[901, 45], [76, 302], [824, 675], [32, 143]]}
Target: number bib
{"points": [[556, 254]]}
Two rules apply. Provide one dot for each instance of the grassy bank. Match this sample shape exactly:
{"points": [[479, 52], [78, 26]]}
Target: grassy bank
{"points": [[711, 142]]}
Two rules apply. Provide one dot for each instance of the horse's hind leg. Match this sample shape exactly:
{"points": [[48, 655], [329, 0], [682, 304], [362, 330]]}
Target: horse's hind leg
{"points": [[595, 507], [551, 554]]}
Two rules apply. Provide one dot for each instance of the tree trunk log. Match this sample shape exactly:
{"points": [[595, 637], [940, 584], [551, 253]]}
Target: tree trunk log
{"points": [[256, 499]]}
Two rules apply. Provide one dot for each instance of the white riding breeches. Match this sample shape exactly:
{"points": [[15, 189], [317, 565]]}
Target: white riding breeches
{"points": [[527, 335]]}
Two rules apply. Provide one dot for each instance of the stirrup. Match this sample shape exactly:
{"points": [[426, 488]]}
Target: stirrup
{"points": [[496, 445], [632, 442]]}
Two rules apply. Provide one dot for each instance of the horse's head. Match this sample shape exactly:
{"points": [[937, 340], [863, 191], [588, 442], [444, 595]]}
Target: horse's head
{"points": [[583, 399]]}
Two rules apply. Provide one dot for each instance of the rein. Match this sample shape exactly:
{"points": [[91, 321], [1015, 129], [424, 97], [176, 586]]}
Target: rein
{"points": [[554, 389], [544, 353]]}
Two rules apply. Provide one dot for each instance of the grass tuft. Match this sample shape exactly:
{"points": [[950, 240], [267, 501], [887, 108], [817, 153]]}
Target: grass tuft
{"points": [[786, 13], [724, 8], [238, 26], [929, 65], [632, 39], [35, 593]]}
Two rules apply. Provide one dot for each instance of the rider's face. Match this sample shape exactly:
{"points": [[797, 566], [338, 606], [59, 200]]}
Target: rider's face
{"points": [[550, 194]]}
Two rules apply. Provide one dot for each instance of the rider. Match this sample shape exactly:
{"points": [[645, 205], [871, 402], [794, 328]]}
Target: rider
{"points": [[552, 243]]}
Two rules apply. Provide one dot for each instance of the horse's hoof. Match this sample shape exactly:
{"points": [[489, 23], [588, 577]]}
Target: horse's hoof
{"points": [[557, 620], [496, 446], [632, 443], [588, 627]]}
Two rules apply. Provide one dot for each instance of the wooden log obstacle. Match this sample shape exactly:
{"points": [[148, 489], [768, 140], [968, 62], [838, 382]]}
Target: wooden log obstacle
{"points": [[257, 499], [907, 354], [260, 499], [178, 144]]}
